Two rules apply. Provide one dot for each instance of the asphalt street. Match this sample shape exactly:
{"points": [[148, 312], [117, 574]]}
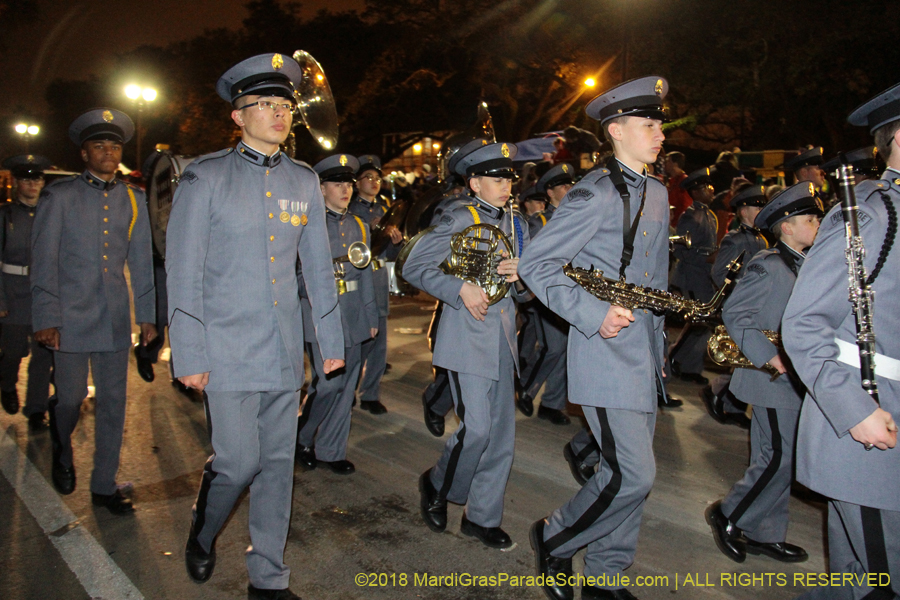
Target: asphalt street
{"points": [[361, 536]]}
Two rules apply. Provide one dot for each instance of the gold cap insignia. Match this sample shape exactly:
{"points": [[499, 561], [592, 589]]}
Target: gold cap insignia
{"points": [[107, 116], [484, 142], [504, 150], [30, 158], [565, 168], [659, 87], [343, 160], [277, 61]]}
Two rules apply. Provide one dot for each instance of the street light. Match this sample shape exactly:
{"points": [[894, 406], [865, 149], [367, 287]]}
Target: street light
{"points": [[590, 82], [27, 131], [140, 96]]}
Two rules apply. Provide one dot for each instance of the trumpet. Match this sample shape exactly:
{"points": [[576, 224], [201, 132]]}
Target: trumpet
{"points": [[723, 350], [680, 239], [358, 255]]}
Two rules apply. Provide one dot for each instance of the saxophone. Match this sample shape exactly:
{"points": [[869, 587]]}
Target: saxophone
{"points": [[723, 350], [631, 296]]}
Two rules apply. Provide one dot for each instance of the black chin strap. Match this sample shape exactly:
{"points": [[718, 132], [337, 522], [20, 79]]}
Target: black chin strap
{"points": [[629, 230]]}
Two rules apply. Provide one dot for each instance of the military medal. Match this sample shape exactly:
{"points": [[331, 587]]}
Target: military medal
{"points": [[303, 208], [303, 220], [284, 216], [295, 220]]}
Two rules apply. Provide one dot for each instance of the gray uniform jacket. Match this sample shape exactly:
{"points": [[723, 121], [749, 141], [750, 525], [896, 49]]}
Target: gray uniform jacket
{"points": [[85, 230], [586, 230], [359, 312], [828, 460], [757, 304], [742, 239], [16, 220], [231, 263], [463, 344], [537, 221], [372, 212], [692, 274]]}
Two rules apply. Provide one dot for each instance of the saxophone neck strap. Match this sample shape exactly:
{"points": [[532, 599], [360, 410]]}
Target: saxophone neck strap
{"points": [[629, 229]]}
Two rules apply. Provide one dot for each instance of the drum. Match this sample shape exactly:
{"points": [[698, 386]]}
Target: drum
{"points": [[163, 175]]}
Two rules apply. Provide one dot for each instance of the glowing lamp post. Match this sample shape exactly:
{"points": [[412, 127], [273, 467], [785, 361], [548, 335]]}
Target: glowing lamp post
{"points": [[27, 130], [140, 96]]}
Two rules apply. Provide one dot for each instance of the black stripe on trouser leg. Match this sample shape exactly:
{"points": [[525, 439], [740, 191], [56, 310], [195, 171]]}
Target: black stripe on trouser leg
{"points": [[876, 554], [440, 389], [310, 398], [767, 474], [206, 479], [450, 472], [607, 494], [589, 448]]}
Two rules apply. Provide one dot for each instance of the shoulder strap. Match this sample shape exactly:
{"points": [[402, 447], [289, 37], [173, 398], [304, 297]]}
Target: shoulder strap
{"points": [[474, 214], [889, 237], [362, 228], [628, 232], [134, 211], [543, 219]]}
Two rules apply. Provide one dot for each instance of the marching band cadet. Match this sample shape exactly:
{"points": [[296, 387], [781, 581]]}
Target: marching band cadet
{"points": [[550, 366], [366, 204], [692, 274], [757, 505], [476, 343], [241, 220], [16, 335], [615, 356], [749, 240], [846, 440], [324, 425]]}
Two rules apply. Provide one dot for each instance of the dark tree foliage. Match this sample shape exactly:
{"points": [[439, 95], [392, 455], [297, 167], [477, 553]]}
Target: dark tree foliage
{"points": [[15, 13]]}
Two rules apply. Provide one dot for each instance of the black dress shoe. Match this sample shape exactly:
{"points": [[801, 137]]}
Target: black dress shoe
{"points": [[115, 502], [727, 535], [305, 456], [669, 401], [388, 367], [779, 551], [199, 562], [341, 467], [373, 406], [739, 419], [590, 592], [525, 404], [433, 421], [492, 537], [63, 478], [580, 471], [38, 422], [550, 566], [554, 415], [694, 378], [144, 366], [254, 593], [10, 401], [434, 508], [715, 404]]}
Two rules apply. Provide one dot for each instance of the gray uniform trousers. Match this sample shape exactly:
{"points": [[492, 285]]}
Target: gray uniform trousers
{"points": [[605, 514], [585, 447], [325, 422], [16, 342], [110, 373], [251, 435], [374, 356], [549, 365], [477, 458], [758, 503], [857, 544]]}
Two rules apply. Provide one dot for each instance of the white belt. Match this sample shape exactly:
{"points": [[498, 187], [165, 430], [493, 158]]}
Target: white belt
{"points": [[15, 269], [351, 286], [885, 366]]}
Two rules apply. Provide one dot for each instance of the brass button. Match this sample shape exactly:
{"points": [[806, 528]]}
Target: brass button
{"points": [[105, 194], [646, 274], [268, 194], [273, 282], [501, 311], [645, 233], [105, 269], [105, 232], [271, 238], [104, 257], [105, 219], [273, 259], [647, 254], [106, 207], [106, 244], [345, 245], [342, 234], [276, 303], [270, 215], [267, 172]]}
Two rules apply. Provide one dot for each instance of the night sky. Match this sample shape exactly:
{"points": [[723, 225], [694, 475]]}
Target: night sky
{"points": [[75, 38]]}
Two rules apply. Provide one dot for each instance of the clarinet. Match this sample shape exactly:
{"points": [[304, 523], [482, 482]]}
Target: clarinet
{"points": [[862, 297]]}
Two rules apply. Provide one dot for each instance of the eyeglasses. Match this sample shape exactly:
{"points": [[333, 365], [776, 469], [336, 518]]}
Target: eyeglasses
{"points": [[266, 104], [372, 178]]}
